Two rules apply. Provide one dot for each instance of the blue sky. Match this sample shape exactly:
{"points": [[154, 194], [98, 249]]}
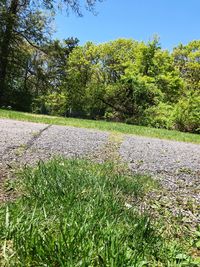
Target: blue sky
{"points": [[175, 21]]}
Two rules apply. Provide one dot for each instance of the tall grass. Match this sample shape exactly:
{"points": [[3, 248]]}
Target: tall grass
{"points": [[103, 125], [77, 213]]}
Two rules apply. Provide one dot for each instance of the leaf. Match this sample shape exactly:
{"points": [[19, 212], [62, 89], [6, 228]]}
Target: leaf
{"points": [[143, 263], [198, 244], [197, 233], [7, 218], [196, 260], [181, 256]]}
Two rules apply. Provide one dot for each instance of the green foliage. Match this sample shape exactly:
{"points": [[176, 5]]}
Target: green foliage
{"points": [[160, 116], [187, 61], [29, 24], [187, 113], [115, 70], [74, 213], [18, 35], [121, 79], [54, 104]]}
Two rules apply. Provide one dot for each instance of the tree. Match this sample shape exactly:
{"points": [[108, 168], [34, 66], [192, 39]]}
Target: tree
{"points": [[187, 61], [187, 110], [17, 30], [122, 78], [57, 54], [48, 74], [23, 21]]}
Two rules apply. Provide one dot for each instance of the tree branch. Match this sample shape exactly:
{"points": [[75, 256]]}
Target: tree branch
{"points": [[31, 43]]}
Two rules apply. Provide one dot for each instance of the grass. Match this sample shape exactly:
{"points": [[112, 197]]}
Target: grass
{"points": [[104, 126], [77, 213]]}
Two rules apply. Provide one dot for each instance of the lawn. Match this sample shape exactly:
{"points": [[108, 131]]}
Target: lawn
{"points": [[78, 213], [103, 126]]}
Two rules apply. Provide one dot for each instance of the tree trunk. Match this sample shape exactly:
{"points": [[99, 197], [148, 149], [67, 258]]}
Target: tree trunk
{"points": [[5, 48]]}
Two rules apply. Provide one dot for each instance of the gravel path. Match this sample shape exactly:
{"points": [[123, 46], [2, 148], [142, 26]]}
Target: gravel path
{"points": [[25, 142], [175, 164], [65, 141], [158, 156], [15, 137], [31, 141], [14, 134]]}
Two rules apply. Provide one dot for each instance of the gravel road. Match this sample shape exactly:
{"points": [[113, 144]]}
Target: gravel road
{"points": [[65, 141], [175, 164], [14, 134], [32, 141], [161, 156], [25, 142]]}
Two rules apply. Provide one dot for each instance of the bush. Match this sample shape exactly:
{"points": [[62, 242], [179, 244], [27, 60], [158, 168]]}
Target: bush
{"points": [[187, 113], [52, 104], [160, 116]]}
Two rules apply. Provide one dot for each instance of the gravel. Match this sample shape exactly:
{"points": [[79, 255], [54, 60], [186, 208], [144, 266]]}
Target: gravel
{"points": [[175, 164], [14, 136], [26, 143], [65, 141], [156, 155]]}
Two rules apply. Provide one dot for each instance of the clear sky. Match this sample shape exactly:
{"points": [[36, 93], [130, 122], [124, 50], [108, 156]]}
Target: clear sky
{"points": [[174, 21]]}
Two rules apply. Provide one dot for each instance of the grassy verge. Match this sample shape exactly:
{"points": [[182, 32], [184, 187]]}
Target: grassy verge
{"points": [[77, 213], [104, 126]]}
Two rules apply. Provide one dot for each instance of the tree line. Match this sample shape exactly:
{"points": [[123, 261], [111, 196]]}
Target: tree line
{"points": [[123, 80]]}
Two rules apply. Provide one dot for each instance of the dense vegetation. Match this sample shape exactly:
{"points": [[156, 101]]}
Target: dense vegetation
{"points": [[123, 80]]}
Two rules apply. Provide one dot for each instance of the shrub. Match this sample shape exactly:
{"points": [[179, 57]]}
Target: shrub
{"points": [[160, 116], [52, 104], [187, 113]]}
